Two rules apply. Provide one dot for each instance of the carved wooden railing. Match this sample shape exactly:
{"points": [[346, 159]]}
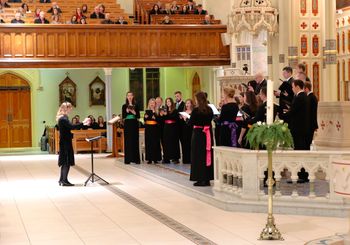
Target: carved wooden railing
{"points": [[111, 46]]}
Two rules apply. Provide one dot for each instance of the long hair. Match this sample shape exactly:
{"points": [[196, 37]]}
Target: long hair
{"points": [[133, 98], [189, 100], [202, 103], [149, 102], [251, 101], [172, 107], [63, 110]]}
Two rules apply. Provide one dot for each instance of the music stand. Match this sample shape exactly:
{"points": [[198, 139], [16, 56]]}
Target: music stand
{"points": [[93, 177]]}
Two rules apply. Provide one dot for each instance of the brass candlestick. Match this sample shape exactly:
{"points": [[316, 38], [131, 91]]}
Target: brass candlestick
{"points": [[270, 232]]}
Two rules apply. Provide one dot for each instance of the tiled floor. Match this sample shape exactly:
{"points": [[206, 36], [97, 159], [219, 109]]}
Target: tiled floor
{"points": [[35, 210]]}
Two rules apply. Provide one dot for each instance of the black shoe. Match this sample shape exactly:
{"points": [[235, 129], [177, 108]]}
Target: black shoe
{"points": [[66, 183], [176, 161], [166, 161], [149, 162], [156, 162], [202, 183], [127, 163]]}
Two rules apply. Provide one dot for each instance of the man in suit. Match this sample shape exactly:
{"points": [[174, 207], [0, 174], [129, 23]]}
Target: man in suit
{"points": [[107, 19], [45, 1], [285, 92], [313, 104], [121, 21], [200, 10], [301, 68], [207, 20], [180, 104], [97, 14], [190, 5], [298, 116], [41, 19], [17, 19], [54, 6], [260, 82]]}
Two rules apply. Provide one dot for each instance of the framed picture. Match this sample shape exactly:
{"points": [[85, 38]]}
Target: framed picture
{"points": [[97, 92], [68, 91]]}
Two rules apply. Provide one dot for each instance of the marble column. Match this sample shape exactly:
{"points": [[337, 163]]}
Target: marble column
{"points": [[108, 82], [330, 84]]}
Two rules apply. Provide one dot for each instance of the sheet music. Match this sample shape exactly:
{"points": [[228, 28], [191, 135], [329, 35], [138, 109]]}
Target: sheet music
{"points": [[213, 108], [114, 120], [185, 114]]}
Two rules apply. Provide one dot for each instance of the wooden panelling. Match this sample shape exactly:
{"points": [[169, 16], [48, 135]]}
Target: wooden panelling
{"points": [[111, 46]]}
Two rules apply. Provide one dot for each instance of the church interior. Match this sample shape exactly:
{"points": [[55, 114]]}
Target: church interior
{"points": [[215, 47]]}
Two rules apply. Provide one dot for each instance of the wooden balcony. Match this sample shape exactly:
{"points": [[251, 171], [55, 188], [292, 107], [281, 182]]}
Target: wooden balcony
{"points": [[63, 46]]}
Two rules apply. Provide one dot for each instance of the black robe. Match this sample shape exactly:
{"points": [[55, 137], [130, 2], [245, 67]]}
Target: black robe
{"points": [[313, 104], [66, 153], [199, 169], [186, 135], [228, 115], [152, 137], [131, 136], [171, 147]]}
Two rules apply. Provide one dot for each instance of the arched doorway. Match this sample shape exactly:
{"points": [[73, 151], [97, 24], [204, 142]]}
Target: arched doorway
{"points": [[15, 112]]}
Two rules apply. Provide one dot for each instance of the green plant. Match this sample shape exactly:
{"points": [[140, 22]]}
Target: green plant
{"points": [[270, 136]]}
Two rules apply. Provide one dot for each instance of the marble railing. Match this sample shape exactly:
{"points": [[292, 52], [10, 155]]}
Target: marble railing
{"points": [[241, 173]]}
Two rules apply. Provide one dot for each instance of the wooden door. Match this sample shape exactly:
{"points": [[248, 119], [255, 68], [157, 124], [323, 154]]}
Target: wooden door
{"points": [[15, 113]]}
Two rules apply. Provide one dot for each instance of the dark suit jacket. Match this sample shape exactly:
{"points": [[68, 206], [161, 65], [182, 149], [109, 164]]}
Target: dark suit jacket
{"points": [[260, 85], [313, 104], [38, 21], [123, 23], [181, 106], [286, 87], [47, 1], [51, 10], [203, 12], [94, 16], [107, 22], [298, 116], [14, 21], [260, 114]]}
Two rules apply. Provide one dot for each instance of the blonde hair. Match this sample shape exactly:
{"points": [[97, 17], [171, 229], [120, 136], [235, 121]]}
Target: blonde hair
{"points": [[149, 102], [229, 92], [62, 111]]}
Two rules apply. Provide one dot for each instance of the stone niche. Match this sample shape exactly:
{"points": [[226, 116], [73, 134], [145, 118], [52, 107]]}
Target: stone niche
{"points": [[332, 130]]}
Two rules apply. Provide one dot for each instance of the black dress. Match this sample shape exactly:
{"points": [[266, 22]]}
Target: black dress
{"points": [[199, 169], [228, 126], [186, 135], [66, 153], [152, 137], [171, 147], [249, 114], [131, 135]]}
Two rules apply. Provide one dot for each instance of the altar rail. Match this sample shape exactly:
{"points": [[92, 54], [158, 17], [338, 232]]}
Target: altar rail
{"points": [[240, 173], [31, 46]]}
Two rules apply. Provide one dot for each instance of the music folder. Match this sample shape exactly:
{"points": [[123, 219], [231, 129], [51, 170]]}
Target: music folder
{"points": [[93, 138]]}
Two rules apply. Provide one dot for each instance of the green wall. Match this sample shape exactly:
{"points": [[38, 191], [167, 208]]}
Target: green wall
{"points": [[45, 91]]}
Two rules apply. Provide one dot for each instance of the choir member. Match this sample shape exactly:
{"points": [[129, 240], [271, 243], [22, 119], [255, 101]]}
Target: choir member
{"points": [[152, 133], [201, 142], [313, 104], [301, 68], [171, 148], [227, 119], [285, 92], [260, 82], [131, 114], [249, 109], [66, 153], [186, 133], [159, 109], [180, 106]]}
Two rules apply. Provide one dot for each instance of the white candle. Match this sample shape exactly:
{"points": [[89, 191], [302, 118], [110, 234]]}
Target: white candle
{"points": [[269, 103]]}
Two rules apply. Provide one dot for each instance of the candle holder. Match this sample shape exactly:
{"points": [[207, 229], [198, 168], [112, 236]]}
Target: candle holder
{"points": [[262, 135]]}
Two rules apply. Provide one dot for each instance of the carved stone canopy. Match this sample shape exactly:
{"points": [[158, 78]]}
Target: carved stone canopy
{"points": [[253, 16]]}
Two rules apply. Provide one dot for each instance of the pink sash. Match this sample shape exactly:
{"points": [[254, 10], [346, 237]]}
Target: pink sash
{"points": [[206, 130]]}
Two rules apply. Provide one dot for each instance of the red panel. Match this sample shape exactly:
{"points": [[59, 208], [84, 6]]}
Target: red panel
{"points": [[303, 8], [316, 79], [315, 7], [303, 45], [315, 45]]}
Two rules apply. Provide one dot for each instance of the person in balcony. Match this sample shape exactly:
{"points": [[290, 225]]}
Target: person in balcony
{"points": [[156, 10], [102, 8], [15, 1], [174, 7], [207, 20], [167, 10], [56, 20], [55, 13], [4, 4], [45, 1], [121, 21], [200, 10], [73, 20], [107, 19], [41, 19], [25, 8], [17, 19], [191, 6], [83, 21], [79, 14], [84, 9], [167, 21], [184, 10], [97, 14], [53, 7], [36, 14]]}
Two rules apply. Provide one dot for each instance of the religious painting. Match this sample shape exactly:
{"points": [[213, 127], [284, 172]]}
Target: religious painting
{"points": [[97, 92], [68, 92]]}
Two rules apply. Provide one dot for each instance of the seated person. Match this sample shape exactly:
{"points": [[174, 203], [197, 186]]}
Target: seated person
{"points": [[200, 10], [17, 19], [207, 20], [167, 21], [37, 13], [84, 9], [15, 1], [97, 14], [121, 21], [25, 8], [156, 10], [101, 124], [79, 14], [83, 21], [55, 13], [102, 8], [107, 20], [76, 123], [45, 1], [190, 5], [4, 4], [73, 20], [174, 7], [184, 10], [41, 19], [54, 6], [56, 19], [168, 10], [2, 21]]}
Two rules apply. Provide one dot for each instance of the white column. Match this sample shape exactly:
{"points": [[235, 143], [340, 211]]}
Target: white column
{"points": [[108, 81]]}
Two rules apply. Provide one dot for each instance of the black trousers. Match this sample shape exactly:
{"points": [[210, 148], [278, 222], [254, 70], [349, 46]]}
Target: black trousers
{"points": [[64, 173]]}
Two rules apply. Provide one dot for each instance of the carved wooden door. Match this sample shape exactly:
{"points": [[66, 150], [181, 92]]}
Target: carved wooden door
{"points": [[15, 112]]}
